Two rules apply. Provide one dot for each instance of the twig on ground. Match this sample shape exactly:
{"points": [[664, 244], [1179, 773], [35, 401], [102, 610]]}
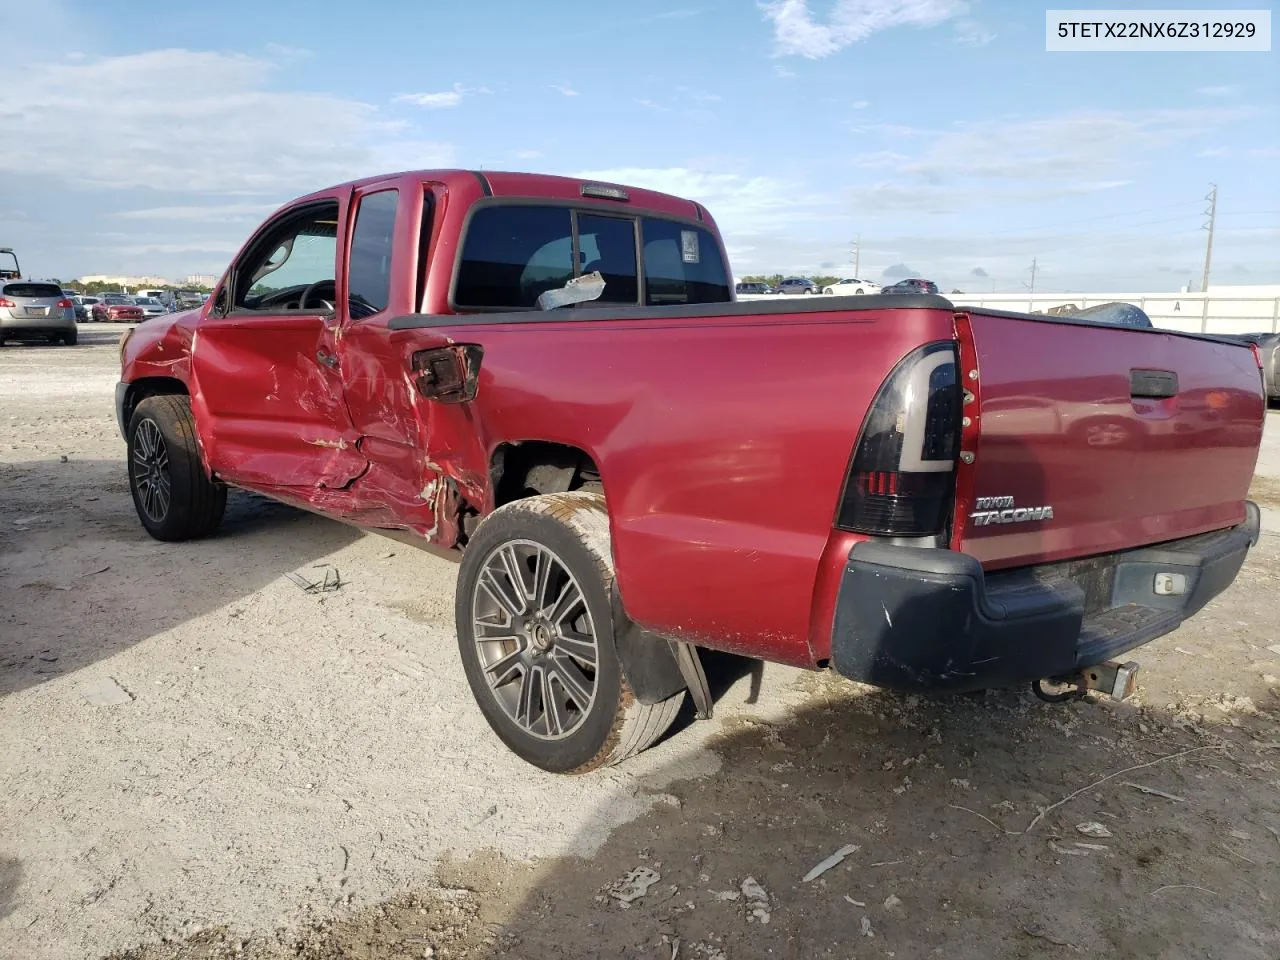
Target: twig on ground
{"points": [[888, 863], [1184, 886], [1011, 833], [1097, 783], [1041, 935], [1152, 791]]}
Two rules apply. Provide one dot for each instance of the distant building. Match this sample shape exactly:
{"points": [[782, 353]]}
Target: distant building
{"points": [[200, 280], [125, 281]]}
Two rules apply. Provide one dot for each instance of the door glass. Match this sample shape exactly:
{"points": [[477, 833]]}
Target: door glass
{"points": [[369, 272], [299, 254]]}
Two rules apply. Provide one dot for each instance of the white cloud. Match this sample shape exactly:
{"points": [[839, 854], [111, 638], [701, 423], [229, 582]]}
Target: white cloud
{"points": [[740, 203], [1224, 90], [783, 73], [796, 31], [212, 213], [528, 154], [972, 33], [1062, 148], [861, 104], [563, 89], [1214, 152], [441, 100], [432, 101], [212, 126]]}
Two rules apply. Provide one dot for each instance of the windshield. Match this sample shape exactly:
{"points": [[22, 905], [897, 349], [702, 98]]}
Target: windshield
{"points": [[147, 302]]}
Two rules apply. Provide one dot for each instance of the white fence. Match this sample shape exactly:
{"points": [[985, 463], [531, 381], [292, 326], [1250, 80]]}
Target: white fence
{"points": [[1193, 312]]}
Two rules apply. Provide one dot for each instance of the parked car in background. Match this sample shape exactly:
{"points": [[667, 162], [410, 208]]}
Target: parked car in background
{"points": [[187, 299], [753, 287], [84, 307], [913, 285], [843, 288], [797, 285], [151, 307], [30, 310], [1268, 345], [115, 308]]}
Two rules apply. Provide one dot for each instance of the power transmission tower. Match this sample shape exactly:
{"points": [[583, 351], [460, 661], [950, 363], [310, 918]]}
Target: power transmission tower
{"points": [[857, 254], [1212, 214]]}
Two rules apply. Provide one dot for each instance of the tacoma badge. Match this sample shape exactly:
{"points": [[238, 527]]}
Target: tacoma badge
{"points": [[1001, 510]]}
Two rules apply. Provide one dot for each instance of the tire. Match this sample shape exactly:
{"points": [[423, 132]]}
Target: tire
{"points": [[174, 497], [859, 292], [69, 339], [828, 290], [557, 544], [808, 292]]}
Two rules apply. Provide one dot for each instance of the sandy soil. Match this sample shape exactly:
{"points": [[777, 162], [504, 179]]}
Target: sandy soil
{"points": [[197, 759]]}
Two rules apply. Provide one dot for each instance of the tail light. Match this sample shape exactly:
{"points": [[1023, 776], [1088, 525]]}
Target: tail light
{"points": [[6, 302], [901, 480], [66, 302]]}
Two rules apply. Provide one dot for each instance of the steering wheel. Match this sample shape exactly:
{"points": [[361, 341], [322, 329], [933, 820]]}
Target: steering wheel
{"points": [[306, 295]]}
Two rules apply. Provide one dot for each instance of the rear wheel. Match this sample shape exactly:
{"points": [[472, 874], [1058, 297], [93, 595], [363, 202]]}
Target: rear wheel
{"points": [[535, 631], [174, 496], [69, 339]]}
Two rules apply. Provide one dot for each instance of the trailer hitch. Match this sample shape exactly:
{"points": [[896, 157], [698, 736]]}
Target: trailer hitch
{"points": [[1115, 680]]}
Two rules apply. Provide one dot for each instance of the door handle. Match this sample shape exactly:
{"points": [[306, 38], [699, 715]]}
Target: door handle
{"points": [[1153, 384], [328, 359]]}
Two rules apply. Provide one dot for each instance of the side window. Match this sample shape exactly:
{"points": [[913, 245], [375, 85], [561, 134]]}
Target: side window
{"points": [[369, 270], [682, 264], [514, 254], [608, 244], [293, 258]]}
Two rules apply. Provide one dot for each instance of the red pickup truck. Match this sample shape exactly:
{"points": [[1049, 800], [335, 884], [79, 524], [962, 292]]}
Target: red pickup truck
{"points": [[916, 495]]}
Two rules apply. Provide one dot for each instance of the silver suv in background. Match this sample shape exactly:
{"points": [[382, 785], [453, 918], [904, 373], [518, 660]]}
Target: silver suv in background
{"points": [[800, 285], [31, 310]]}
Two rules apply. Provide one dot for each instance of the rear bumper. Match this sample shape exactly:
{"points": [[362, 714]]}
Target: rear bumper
{"points": [[909, 618], [60, 322]]}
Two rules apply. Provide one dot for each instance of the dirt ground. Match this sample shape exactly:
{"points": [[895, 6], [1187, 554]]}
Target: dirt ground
{"points": [[199, 760]]}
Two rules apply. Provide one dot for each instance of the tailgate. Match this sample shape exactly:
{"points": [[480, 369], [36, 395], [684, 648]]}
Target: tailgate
{"points": [[1092, 439]]}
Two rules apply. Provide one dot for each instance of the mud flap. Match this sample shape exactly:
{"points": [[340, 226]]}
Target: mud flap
{"points": [[648, 662]]}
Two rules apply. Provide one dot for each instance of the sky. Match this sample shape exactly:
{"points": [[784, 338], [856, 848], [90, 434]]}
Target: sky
{"points": [[147, 137]]}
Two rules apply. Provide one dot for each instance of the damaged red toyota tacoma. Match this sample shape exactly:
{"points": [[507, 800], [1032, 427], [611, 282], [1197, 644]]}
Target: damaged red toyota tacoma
{"points": [[550, 379]]}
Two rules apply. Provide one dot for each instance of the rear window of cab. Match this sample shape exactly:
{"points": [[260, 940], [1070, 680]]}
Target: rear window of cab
{"points": [[514, 253]]}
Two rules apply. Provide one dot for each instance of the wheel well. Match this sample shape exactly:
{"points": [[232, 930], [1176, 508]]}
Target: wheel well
{"points": [[145, 387], [528, 468]]}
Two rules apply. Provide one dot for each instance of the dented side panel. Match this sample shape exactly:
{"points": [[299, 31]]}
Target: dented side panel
{"points": [[269, 410]]}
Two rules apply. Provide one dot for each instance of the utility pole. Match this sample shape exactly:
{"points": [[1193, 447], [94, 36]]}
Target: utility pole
{"points": [[857, 255], [1212, 214], [1033, 274]]}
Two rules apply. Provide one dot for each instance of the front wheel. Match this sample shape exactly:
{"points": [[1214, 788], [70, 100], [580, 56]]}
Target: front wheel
{"points": [[174, 496], [536, 634]]}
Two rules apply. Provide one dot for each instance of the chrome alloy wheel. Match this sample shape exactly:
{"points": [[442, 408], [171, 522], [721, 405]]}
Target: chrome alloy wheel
{"points": [[151, 470], [535, 639]]}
